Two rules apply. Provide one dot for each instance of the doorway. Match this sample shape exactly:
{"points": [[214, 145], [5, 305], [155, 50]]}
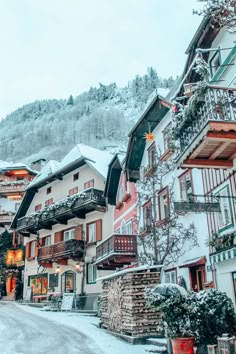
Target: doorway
{"points": [[197, 277], [68, 282]]}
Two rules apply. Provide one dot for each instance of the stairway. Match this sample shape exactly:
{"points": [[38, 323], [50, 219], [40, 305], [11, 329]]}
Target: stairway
{"points": [[156, 345]]}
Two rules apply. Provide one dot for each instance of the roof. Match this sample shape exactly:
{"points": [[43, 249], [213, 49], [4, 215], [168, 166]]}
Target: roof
{"points": [[113, 178], [10, 166], [151, 117], [193, 262], [80, 155]]}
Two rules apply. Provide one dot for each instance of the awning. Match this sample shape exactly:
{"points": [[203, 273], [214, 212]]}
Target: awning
{"points": [[194, 262], [223, 255]]}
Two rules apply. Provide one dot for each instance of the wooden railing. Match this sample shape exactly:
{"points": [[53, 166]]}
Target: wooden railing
{"points": [[121, 244], [11, 187], [217, 104], [62, 208], [6, 218], [61, 249]]}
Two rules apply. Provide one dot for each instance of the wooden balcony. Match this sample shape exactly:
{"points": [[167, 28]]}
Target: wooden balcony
{"points": [[9, 188], [116, 251], [60, 212], [71, 249], [207, 134], [6, 218]]}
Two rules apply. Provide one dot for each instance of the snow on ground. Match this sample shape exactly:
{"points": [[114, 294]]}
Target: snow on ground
{"points": [[87, 325]]}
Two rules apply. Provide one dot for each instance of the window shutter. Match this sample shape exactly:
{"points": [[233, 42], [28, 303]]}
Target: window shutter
{"points": [[99, 230], [36, 248], [87, 232], [27, 250], [78, 232], [58, 237]]}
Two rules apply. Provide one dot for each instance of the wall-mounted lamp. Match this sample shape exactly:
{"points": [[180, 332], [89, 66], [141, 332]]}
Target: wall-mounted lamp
{"points": [[58, 269], [79, 267]]}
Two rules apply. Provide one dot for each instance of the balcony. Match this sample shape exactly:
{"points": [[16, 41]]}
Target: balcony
{"points": [[73, 249], [116, 251], [6, 218], [206, 130], [13, 187], [75, 206]]}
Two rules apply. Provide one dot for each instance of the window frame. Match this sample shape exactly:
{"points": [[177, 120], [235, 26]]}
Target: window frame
{"points": [[145, 207], [161, 194], [73, 191], [90, 184], [183, 177], [70, 232], [167, 139], [215, 56], [93, 223], [48, 202], [76, 177], [93, 279], [129, 224], [44, 238], [49, 190], [38, 207], [151, 151], [171, 272], [221, 201], [32, 248]]}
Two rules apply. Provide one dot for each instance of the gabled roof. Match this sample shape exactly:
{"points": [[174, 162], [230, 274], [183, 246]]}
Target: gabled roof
{"points": [[113, 178], [78, 156], [10, 166], [151, 117]]}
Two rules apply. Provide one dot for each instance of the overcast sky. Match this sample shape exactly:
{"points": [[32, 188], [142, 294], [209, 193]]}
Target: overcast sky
{"points": [[54, 48]]}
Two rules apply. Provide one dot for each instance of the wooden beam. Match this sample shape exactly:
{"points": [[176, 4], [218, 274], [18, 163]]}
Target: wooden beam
{"points": [[219, 149], [201, 163], [233, 156], [221, 136], [198, 149]]}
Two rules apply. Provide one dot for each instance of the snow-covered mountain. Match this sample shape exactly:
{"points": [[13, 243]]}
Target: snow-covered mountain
{"points": [[100, 117]]}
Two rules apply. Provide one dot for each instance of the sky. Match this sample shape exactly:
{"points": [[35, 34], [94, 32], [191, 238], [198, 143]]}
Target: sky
{"points": [[54, 48]]}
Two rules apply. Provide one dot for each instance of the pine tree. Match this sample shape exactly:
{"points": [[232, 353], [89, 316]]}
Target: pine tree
{"points": [[70, 101]]}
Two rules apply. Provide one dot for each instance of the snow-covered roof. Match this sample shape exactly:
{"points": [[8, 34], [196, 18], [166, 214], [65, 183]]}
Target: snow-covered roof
{"points": [[4, 166], [130, 270], [96, 159], [47, 170]]}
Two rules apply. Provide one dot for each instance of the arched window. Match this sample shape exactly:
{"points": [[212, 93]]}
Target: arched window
{"points": [[68, 282]]}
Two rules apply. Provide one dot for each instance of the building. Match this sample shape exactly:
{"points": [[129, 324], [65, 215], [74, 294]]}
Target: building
{"points": [[120, 250], [206, 135], [63, 216], [14, 179]]}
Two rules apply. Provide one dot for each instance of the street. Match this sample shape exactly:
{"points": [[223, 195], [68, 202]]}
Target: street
{"points": [[27, 333]]}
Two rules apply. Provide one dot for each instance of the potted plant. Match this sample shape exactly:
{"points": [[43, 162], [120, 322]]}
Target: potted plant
{"points": [[212, 315], [176, 311]]}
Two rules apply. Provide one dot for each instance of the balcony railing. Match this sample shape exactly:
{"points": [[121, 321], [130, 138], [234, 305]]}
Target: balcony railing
{"points": [[76, 205], [13, 187], [6, 218], [217, 104], [115, 246], [66, 249]]}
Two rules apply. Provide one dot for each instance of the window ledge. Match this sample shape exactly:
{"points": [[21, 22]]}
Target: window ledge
{"points": [[167, 154], [91, 243], [162, 222]]}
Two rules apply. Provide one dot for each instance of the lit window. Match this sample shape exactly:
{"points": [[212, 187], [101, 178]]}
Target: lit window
{"points": [[68, 235], [186, 188], [91, 273]]}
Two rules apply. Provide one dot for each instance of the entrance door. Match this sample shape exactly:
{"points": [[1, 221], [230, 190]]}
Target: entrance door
{"points": [[68, 282], [10, 283], [197, 277]]}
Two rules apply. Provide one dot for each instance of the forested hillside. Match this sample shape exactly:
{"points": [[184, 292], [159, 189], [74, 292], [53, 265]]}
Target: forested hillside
{"points": [[100, 117]]}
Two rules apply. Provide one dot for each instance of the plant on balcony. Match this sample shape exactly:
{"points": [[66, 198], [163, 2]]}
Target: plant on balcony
{"points": [[221, 242]]}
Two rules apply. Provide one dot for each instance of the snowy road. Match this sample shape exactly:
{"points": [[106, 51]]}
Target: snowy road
{"points": [[26, 333]]}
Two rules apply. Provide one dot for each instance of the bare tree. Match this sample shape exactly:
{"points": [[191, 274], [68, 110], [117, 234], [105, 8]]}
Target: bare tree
{"points": [[163, 241]]}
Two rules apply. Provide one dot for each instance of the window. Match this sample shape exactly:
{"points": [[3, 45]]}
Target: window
{"points": [[49, 202], [234, 283], [215, 62], [117, 231], [120, 193], [76, 176], [68, 235], [92, 232], [39, 284], [68, 282], [147, 216], [123, 227], [186, 188], [46, 241], [91, 273], [89, 184], [163, 203], [73, 191], [170, 276], [152, 156], [49, 190], [225, 215], [31, 251], [129, 228], [167, 137], [38, 207]]}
